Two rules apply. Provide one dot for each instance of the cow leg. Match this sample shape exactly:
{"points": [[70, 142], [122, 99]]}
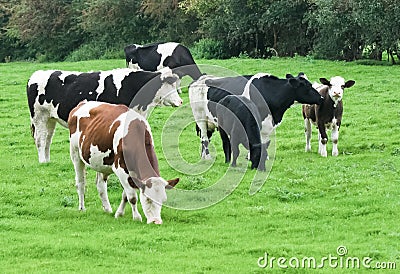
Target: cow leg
{"points": [[308, 133], [80, 176], [43, 134], [226, 144], [128, 195], [205, 153], [323, 139], [121, 209], [133, 199], [235, 149], [101, 183], [335, 138]]}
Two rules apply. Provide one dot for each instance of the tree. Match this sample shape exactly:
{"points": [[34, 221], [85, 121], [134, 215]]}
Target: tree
{"points": [[48, 27], [170, 21]]}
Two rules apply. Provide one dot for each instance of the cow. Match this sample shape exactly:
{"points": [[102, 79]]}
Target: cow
{"points": [[156, 56], [327, 115], [272, 96], [240, 123], [52, 94], [111, 139]]}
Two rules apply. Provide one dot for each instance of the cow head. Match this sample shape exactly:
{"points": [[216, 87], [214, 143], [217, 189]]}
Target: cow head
{"points": [[153, 195], [336, 87], [168, 95], [304, 92]]}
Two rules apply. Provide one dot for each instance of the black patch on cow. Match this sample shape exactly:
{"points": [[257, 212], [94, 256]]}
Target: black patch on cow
{"points": [[146, 57], [139, 89], [32, 93]]}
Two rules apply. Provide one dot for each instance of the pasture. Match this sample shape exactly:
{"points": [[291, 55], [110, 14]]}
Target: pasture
{"points": [[308, 206]]}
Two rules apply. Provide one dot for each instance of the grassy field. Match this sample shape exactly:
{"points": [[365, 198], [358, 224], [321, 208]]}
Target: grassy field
{"points": [[308, 207]]}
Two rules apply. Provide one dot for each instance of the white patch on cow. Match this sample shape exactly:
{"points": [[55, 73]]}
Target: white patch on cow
{"points": [[96, 159], [246, 91], [336, 89], [267, 127], [100, 88], [40, 78], [118, 76], [165, 50], [84, 111]]}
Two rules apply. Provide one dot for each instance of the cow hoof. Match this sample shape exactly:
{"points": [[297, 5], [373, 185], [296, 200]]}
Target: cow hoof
{"points": [[137, 218], [207, 157], [118, 214], [107, 210]]}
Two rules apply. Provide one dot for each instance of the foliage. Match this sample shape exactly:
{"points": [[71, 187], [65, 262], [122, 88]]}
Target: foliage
{"points": [[50, 28], [338, 30], [209, 49], [308, 206]]}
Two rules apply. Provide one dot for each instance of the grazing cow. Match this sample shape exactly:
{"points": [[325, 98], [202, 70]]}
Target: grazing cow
{"points": [[271, 95], [53, 94], [156, 56], [328, 115], [240, 123], [115, 139]]}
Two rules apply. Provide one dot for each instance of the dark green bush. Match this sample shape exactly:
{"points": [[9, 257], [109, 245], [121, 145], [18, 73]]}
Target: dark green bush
{"points": [[209, 49]]}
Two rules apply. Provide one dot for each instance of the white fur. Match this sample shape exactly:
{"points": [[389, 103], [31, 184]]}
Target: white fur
{"points": [[165, 50]]}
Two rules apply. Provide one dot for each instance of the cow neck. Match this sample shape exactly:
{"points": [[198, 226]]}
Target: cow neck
{"points": [[138, 151], [277, 96]]}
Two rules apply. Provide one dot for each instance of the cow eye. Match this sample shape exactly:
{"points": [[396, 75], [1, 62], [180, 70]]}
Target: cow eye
{"points": [[342, 87]]}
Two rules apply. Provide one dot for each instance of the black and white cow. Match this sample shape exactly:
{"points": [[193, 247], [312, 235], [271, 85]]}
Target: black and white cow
{"points": [[52, 94], [240, 123], [271, 95], [328, 115], [110, 139], [154, 57]]}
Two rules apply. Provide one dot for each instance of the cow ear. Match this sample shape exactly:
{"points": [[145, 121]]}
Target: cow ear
{"points": [[302, 75], [294, 82], [172, 183], [324, 81], [170, 79], [288, 76], [349, 84], [136, 183]]}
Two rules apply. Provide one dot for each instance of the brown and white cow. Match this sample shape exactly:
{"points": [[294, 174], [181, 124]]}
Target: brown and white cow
{"points": [[327, 115], [115, 139]]}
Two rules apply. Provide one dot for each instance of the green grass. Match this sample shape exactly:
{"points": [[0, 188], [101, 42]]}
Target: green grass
{"points": [[307, 207]]}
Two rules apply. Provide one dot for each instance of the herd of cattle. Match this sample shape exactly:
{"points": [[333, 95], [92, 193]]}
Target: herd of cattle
{"points": [[106, 115]]}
